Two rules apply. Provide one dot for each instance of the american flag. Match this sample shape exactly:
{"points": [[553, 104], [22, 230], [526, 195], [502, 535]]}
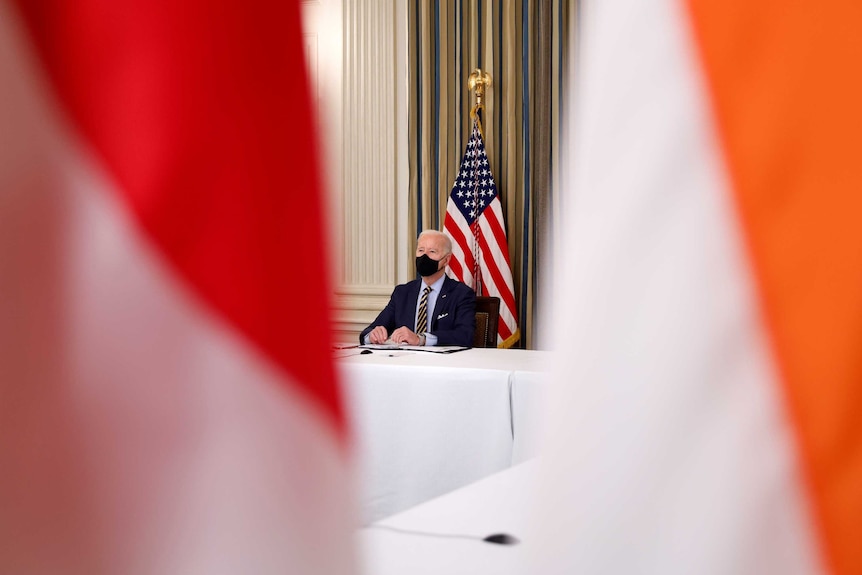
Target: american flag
{"points": [[474, 221]]}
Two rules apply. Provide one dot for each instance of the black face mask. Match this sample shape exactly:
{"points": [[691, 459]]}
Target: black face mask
{"points": [[425, 266]]}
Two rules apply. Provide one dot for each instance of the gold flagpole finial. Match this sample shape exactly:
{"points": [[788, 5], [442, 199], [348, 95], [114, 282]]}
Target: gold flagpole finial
{"points": [[478, 81]]}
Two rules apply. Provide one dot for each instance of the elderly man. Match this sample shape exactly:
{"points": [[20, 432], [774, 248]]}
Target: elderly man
{"points": [[433, 310]]}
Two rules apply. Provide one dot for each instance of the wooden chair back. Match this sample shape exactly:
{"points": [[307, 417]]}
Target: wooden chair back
{"points": [[487, 319]]}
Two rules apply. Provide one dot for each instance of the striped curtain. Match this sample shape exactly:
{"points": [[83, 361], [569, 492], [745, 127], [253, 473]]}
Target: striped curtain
{"points": [[523, 44]]}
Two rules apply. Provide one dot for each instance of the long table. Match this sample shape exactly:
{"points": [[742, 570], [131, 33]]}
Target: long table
{"points": [[445, 535], [426, 424]]}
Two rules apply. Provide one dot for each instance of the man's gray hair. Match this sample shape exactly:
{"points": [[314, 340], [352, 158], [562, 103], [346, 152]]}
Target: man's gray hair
{"points": [[447, 242]]}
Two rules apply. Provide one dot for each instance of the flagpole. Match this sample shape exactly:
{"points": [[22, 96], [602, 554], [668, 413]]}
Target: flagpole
{"points": [[477, 82], [477, 226]]}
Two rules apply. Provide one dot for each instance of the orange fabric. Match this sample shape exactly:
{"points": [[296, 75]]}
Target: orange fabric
{"points": [[785, 83]]}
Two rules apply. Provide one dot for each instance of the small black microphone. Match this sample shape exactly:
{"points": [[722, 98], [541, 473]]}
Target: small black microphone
{"points": [[498, 538], [501, 539]]}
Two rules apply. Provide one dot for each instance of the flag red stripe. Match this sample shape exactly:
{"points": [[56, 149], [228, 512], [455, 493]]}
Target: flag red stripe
{"points": [[455, 265], [461, 274], [490, 216], [500, 256], [459, 238], [506, 296], [492, 288], [214, 160]]}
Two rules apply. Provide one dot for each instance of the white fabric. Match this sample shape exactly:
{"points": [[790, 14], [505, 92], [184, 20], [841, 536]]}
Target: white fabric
{"points": [[668, 449], [530, 391], [139, 433], [426, 424]]}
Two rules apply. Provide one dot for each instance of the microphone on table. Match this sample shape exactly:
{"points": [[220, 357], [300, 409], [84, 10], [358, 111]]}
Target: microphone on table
{"points": [[501, 539], [498, 538]]}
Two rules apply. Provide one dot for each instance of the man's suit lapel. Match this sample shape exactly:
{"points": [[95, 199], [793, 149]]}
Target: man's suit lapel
{"points": [[442, 305], [410, 307]]}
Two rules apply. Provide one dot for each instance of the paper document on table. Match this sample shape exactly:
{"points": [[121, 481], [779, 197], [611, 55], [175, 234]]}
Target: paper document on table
{"points": [[429, 349]]}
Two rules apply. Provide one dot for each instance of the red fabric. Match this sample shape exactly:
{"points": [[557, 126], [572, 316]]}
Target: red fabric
{"points": [[200, 111]]}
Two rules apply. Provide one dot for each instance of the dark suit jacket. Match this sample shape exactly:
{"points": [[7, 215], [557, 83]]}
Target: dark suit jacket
{"points": [[453, 320]]}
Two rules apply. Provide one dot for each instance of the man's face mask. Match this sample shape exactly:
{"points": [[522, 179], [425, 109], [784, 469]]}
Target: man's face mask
{"points": [[425, 266]]}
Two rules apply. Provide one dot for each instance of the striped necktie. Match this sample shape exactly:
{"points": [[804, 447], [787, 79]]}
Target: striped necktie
{"points": [[422, 319]]}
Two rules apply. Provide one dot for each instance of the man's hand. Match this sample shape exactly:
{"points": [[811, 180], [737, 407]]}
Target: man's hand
{"points": [[404, 335], [378, 335]]}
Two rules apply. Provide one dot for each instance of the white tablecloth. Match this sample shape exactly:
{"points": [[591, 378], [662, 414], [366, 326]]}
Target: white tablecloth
{"points": [[425, 424], [529, 394]]}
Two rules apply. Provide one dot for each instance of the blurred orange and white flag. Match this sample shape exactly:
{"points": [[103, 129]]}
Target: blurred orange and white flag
{"points": [[162, 259], [708, 403]]}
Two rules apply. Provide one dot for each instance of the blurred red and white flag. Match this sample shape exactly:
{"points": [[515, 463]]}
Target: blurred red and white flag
{"points": [[708, 412], [162, 259]]}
